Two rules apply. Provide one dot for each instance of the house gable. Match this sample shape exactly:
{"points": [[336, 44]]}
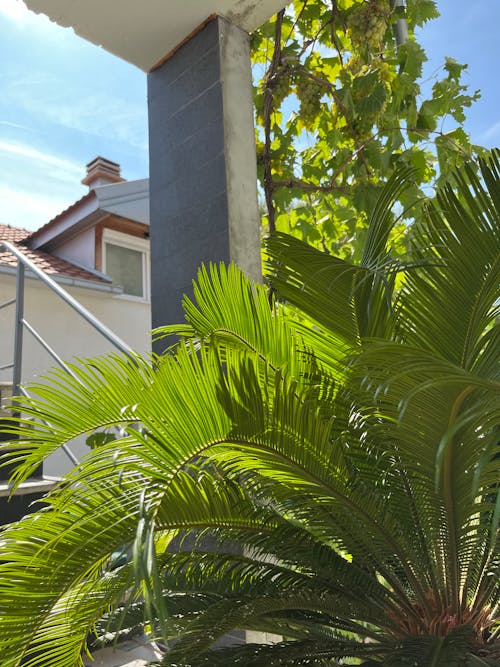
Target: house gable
{"points": [[72, 243]]}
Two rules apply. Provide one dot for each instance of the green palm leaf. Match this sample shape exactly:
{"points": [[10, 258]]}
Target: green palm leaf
{"points": [[323, 467]]}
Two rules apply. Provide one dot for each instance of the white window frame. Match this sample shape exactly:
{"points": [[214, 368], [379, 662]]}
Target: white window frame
{"points": [[112, 237]]}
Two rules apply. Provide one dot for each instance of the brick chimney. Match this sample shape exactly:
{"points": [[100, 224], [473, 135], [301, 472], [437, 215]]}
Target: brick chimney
{"points": [[102, 172]]}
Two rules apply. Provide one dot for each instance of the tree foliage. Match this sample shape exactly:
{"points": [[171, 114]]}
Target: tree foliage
{"points": [[340, 107], [346, 439]]}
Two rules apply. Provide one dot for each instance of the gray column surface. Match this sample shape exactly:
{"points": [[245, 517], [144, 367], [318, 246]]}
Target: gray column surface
{"points": [[203, 177], [203, 174]]}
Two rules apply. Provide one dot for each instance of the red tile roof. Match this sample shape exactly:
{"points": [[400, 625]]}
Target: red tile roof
{"points": [[13, 234], [49, 263]]}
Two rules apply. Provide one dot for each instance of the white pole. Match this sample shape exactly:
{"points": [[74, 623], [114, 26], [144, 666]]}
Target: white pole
{"points": [[401, 25]]}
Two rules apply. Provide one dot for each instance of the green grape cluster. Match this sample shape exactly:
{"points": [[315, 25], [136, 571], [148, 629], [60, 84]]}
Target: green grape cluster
{"points": [[355, 64], [366, 121], [368, 24], [281, 88], [309, 92], [384, 71]]}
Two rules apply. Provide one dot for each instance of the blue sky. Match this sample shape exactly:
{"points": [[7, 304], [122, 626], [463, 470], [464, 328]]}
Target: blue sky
{"points": [[64, 101]]}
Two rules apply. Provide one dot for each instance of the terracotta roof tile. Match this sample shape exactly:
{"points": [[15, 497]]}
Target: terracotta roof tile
{"points": [[13, 234], [49, 263]]}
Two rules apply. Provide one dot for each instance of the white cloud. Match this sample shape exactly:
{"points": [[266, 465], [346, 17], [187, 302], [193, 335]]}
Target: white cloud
{"points": [[65, 166], [35, 185], [30, 210], [68, 104], [103, 116], [16, 126], [15, 10]]}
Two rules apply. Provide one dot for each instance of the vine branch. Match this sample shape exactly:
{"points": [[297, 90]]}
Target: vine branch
{"points": [[268, 110]]}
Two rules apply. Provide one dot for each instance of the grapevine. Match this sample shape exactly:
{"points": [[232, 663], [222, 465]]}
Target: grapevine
{"points": [[309, 92], [281, 87], [368, 24], [336, 66]]}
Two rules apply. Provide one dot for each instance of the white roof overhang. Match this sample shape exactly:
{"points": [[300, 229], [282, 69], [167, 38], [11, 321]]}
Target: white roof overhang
{"points": [[143, 33], [129, 199]]}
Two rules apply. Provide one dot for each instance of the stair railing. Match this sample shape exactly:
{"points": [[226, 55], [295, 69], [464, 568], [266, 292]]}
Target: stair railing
{"points": [[21, 323]]}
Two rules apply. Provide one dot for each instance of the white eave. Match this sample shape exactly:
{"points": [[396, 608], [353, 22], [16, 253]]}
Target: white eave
{"points": [[143, 33], [129, 200], [69, 281]]}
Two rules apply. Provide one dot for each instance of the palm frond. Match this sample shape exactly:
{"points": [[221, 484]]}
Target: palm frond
{"points": [[448, 306], [324, 467]]}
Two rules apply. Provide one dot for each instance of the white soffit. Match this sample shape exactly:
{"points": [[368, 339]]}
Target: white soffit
{"points": [[129, 199], [143, 33]]}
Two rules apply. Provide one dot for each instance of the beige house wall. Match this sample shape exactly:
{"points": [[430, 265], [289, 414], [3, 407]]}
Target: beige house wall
{"points": [[69, 335]]}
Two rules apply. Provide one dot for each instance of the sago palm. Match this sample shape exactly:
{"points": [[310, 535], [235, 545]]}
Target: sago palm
{"points": [[323, 468]]}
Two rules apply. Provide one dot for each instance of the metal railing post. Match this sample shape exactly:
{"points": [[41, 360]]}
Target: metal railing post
{"points": [[70, 300], [18, 332], [23, 264]]}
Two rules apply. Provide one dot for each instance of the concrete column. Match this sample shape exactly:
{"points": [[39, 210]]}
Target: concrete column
{"points": [[203, 177], [203, 172]]}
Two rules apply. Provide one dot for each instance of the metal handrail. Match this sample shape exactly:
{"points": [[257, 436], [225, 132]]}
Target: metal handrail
{"points": [[20, 323], [115, 340]]}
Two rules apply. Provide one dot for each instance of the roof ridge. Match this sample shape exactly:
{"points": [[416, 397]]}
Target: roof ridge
{"points": [[9, 226], [64, 212]]}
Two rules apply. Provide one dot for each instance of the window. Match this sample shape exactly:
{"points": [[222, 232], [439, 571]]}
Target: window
{"points": [[126, 261]]}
